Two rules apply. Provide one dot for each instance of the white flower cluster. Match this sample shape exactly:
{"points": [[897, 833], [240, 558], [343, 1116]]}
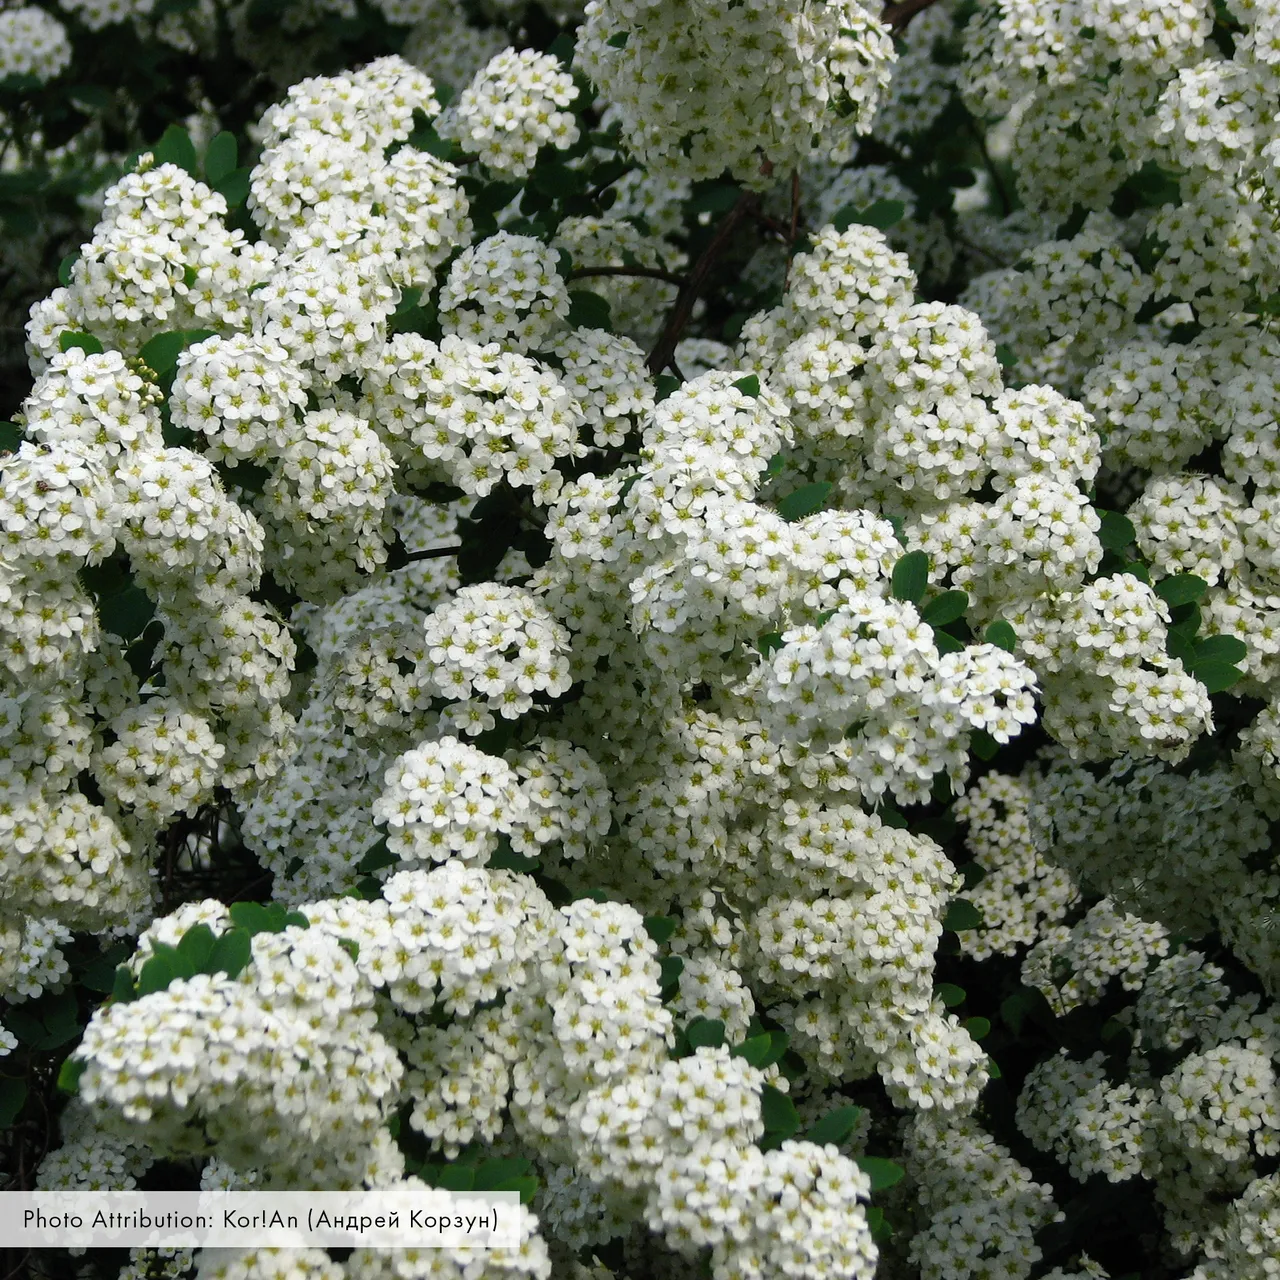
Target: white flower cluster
{"points": [[505, 289], [280, 1067], [33, 43], [982, 1207], [848, 926], [1170, 848], [1196, 1131], [446, 799], [474, 414], [1071, 966], [1072, 1109], [750, 91], [97, 14], [555, 1015], [1021, 891], [511, 109], [31, 958], [492, 648]]}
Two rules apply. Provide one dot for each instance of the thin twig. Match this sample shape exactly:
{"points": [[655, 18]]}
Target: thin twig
{"points": [[661, 355], [436, 553], [648, 273], [795, 226], [896, 16]]}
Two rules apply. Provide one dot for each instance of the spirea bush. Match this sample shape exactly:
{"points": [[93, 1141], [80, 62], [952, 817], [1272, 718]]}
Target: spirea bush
{"points": [[673, 608]]}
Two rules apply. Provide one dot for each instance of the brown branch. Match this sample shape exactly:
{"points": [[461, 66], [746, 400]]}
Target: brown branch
{"points": [[661, 355], [896, 16], [649, 273]]}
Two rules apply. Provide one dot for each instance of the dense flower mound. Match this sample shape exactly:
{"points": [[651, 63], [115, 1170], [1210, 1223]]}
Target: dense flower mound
{"points": [[553, 615]]}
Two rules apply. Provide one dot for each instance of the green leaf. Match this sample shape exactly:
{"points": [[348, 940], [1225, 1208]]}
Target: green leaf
{"points": [[1028, 1002], [880, 1229], [195, 948], [231, 953], [945, 642], [350, 946], [91, 97], [13, 1093], [891, 816], [588, 310], [161, 353], [99, 973], [982, 744], [234, 187], [127, 613], [805, 501], [961, 915], [780, 1115], [659, 928], [1002, 635], [883, 1173], [526, 1186], [377, 856], [769, 643], [1181, 646], [835, 1126], [509, 860], [220, 157], [156, 975], [945, 608], [85, 341], [749, 386], [1216, 676], [295, 919], [1117, 531], [911, 577], [619, 40], [176, 147], [68, 1076], [949, 994], [705, 1033], [779, 1042], [456, 1177], [64, 269], [670, 967], [123, 990], [252, 917], [978, 1028], [1006, 355], [490, 1174], [1221, 649], [1182, 588], [28, 1028], [754, 1051], [882, 215]]}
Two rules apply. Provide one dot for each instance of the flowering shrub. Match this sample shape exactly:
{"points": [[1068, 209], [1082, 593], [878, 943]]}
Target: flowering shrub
{"points": [[670, 608]]}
